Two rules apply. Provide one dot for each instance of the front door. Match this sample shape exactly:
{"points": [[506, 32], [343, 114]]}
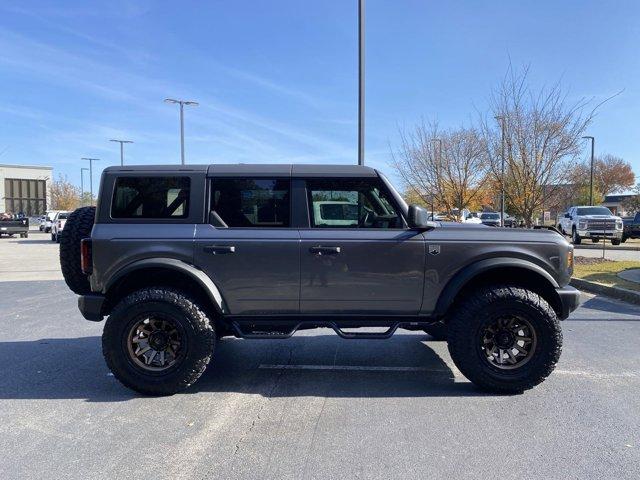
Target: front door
{"points": [[358, 257], [249, 249]]}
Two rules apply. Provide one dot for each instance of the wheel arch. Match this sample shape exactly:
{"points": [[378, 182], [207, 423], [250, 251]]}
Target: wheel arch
{"points": [[167, 272], [509, 271]]}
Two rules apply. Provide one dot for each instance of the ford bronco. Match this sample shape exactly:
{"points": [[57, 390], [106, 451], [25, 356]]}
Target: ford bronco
{"points": [[179, 256]]}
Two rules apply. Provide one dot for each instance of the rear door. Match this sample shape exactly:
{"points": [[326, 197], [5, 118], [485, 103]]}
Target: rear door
{"points": [[249, 248], [357, 256]]}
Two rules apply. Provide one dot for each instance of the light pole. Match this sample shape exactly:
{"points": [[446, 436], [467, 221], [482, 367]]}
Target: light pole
{"points": [[121, 142], [437, 168], [90, 160], [82, 170], [182, 103], [501, 119], [361, 25], [593, 143]]}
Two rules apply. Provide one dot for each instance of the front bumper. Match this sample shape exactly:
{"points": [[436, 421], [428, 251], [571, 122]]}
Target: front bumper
{"points": [[600, 233], [569, 300], [91, 306]]}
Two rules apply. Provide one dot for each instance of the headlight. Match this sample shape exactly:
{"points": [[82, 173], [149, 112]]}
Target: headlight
{"points": [[582, 225], [618, 224]]}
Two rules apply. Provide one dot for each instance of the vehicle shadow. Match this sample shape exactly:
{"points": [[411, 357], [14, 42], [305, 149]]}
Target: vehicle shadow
{"points": [[604, 304], [403, 366], [35, 242]]}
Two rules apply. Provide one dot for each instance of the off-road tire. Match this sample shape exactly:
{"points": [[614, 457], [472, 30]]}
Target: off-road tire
{"points": [[198, 331], [615, 241], [78, 226], [437, 331], [575, 238], [478, 310]]}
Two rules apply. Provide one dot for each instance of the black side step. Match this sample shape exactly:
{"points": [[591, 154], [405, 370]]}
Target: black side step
{"points": [[276, 334]]}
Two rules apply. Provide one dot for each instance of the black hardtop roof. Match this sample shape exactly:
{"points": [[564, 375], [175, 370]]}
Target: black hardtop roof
{"points": [[253, 169]]}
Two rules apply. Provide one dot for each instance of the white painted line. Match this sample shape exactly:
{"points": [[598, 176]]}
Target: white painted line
{"points": [[581, 373], [365, 368]]}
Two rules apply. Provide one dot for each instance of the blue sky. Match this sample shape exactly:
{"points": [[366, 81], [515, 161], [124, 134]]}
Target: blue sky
{"points": [[277, 79]]}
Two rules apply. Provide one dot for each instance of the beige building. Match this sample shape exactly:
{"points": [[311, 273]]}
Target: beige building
{"points": [[25, 188]]}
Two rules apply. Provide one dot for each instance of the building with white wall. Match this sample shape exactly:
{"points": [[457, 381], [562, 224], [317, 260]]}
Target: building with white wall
{"points": [[25, 188]]}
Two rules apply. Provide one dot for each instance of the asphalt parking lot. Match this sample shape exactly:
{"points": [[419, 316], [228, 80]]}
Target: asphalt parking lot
{"points": [[314, 406]]}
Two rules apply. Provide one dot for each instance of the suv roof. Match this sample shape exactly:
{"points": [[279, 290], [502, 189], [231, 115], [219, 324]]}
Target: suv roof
{"points": [[248, 169]]}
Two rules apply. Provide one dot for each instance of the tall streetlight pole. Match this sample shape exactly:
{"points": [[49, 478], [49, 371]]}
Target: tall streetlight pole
{"points": [[82, 170], [361, 25], [437, 168], [501, 119], [593, 144], [121, 142], [90, 160], [182, 103]]}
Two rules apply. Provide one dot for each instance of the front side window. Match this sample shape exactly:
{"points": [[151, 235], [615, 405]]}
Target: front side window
{"points": [[337, 203], [252, 202], [151, 197]]}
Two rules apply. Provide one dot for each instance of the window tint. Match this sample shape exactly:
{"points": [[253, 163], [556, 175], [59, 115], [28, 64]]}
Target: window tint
{"points": [[251, 202], [339, 203], [151, 197]]}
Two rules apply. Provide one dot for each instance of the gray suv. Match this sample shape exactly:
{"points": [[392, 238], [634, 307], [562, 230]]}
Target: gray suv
{"points": [[178, 257]]}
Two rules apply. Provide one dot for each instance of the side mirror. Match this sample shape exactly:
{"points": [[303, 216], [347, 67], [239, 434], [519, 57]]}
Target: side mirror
{"points": [[566, 215], [419, 218]]}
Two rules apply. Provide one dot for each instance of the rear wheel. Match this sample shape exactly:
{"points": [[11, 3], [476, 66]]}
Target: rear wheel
{"points": [[158, 341], [615, 241], [505, 339], [595, 240]]}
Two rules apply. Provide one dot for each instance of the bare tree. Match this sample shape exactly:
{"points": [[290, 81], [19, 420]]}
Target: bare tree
{"points": [[542, 141], [446, 168], [64, 195]]}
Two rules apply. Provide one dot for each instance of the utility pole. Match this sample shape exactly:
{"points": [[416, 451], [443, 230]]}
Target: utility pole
{"points": [[182, 103], [82, 170], [593, 143], [361, 7], [121, 142], [91, 160], [501, 119]]}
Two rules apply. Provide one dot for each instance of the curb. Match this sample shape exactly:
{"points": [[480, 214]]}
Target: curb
{"points": [[620, 293], [610, 248]]}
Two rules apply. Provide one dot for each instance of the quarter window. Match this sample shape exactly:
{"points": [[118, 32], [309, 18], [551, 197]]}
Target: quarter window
{"points": [[356, 203], [151, 197], [252, 202]]}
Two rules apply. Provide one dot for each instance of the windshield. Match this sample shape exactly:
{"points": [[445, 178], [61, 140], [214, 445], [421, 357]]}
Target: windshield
{"points": [[593, 211], [490, 216]]}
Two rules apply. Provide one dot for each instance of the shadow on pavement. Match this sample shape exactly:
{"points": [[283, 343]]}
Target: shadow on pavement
{"points": [[74, 368], [604, 304], [35, 242]]}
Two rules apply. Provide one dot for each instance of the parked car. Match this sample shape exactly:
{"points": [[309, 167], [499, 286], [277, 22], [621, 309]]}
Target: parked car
{"points": [[591, 222], [10, 225], [471, 217], [631, 227], [48, 220], [177, 258], [491, 219], [57, 225]]}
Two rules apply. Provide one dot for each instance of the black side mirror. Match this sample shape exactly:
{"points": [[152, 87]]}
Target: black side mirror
{"points": [[566, 215], [419, 218]]}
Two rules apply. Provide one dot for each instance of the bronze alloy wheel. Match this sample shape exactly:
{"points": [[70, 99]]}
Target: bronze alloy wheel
{"points": [[508, 342], [154, 343]]}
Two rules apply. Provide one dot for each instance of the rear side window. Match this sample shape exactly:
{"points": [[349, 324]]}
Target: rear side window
{"points": [[151, 197], [252, 202]]}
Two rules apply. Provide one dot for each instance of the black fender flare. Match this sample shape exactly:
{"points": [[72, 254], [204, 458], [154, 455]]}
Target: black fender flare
{"points": [[200, 277], [468, 273]]}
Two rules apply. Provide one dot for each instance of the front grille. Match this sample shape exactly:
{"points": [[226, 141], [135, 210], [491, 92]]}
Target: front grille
{"points": [[601, 224]]}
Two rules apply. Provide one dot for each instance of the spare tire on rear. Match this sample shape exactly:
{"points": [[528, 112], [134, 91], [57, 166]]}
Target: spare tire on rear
{"points": [[78, 226]]}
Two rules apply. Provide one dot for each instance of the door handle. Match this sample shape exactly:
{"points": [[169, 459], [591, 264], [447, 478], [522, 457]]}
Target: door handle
{"points": [[320, 250], [220, 249]]}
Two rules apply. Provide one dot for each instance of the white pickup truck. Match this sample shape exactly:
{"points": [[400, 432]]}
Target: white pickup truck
{"points": [[591, 222]]}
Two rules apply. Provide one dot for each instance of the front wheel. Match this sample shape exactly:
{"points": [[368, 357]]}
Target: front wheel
{"points": [[157, 341], [437, 331], [505, 339], [615, 241], [575, 238]]}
